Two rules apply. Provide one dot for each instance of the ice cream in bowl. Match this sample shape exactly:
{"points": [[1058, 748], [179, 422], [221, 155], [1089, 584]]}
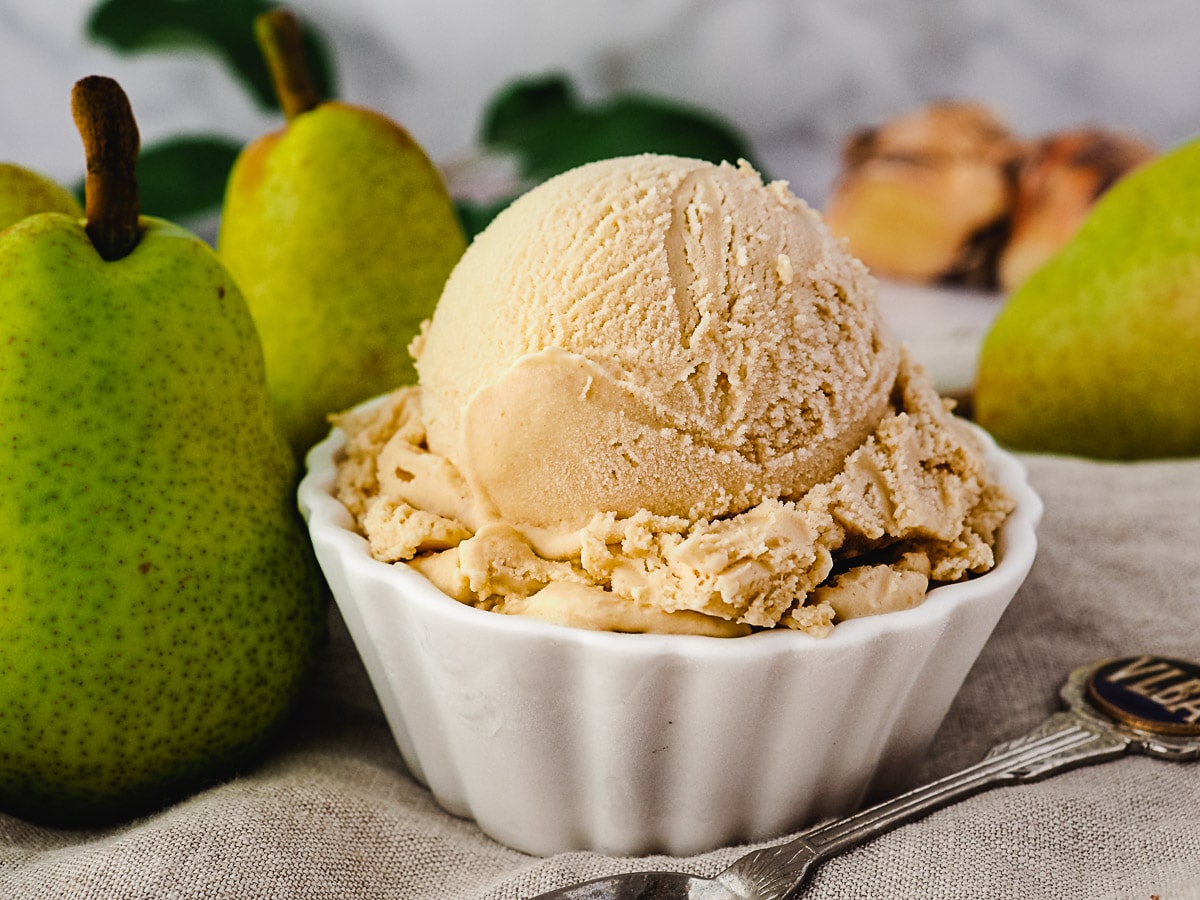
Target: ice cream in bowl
{"points": [[672, 546]]}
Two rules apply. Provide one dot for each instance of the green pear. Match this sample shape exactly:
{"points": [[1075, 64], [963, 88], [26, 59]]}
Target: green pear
{"points": [[24, 192], [340, 233], [1098, 353], [159, 605]]}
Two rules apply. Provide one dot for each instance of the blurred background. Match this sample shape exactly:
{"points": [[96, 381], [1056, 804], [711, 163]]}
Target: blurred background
{"points": [[791, 77]]}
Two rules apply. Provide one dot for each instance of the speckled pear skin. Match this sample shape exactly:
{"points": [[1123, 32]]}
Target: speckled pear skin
{"points": [[1098, 353], [159, 606], [340, 233], [24, 192]]}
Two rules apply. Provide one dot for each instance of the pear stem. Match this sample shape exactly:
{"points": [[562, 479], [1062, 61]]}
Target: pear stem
{"points": [[110, 145], [281, 40]]}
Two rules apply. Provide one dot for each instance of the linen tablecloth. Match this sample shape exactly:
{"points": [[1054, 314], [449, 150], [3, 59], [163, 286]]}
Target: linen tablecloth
{"points": [[331, 813]]}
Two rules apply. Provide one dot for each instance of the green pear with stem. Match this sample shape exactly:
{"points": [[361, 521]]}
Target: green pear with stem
{"points": [[160, 610], [340, 232], [1098, 353], [24, 192]]}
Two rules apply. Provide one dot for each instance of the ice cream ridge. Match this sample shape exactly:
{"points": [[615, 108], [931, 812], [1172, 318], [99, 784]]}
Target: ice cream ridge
{"points": [[656, 396]]}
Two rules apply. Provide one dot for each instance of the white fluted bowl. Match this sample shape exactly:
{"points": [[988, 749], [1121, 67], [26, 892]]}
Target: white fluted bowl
{"points": [[555, 739]]}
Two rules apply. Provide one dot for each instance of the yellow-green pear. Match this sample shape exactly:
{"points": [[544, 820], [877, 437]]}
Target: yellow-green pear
{"points": [[1098, 353], [24, 192], [159, 605], [340, 232]]}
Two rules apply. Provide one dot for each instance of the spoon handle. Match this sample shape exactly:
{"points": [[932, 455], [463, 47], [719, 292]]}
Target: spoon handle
{"points": [[1063, 741]]}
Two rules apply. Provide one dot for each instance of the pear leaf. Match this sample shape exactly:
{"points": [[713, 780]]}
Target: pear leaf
{"points": [[544, 124], [551, 130], [185, 176], [224, 28]]}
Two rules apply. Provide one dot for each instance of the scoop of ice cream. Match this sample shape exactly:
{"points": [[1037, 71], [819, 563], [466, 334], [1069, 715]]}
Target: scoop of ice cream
{"points": [[656, 396], [652, 333]]}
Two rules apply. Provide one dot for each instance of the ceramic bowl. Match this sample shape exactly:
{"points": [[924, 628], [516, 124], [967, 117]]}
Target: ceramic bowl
{"points": [[556, 739]]}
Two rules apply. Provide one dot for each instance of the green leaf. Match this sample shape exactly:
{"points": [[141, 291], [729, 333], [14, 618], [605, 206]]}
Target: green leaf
{"points": [[221, 27], [184, 177], [551, 130]]}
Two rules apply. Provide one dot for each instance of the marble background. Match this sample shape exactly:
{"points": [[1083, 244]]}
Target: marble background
{"points": [[793, 75]]}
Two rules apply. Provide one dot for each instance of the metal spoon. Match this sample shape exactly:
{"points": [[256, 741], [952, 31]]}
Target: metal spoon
{"points": [[1147, 704]]}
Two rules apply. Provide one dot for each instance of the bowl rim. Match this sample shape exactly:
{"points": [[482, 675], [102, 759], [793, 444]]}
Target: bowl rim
{"points": [[331, 524]]}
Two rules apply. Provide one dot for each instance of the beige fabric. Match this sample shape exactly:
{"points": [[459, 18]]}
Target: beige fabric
{"points": [[331, 814]]}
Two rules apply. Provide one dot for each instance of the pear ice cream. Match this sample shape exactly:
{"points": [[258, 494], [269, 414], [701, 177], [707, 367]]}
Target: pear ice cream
{"points": [[656, 395]]}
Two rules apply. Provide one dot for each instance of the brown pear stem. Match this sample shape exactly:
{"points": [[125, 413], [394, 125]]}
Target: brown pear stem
{"points": [[110, 145], [281, 40]]}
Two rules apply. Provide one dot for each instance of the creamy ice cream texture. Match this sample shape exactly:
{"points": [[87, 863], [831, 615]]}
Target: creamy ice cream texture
{"points": [[656, 395]]}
